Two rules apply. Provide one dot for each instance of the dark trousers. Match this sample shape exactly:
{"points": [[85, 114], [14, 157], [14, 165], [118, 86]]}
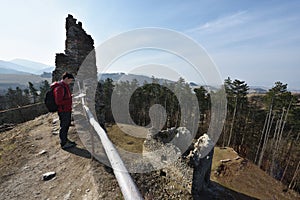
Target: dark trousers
{"points": [[65, 121]]}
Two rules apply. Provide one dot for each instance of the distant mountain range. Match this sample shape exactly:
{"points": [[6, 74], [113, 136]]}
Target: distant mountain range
{"points": [[123, 77], [18, 72], [22, 66], [27, 67]]}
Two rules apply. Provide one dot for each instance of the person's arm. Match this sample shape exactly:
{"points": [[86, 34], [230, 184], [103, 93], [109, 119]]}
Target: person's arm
{"points": [[59, 93]]}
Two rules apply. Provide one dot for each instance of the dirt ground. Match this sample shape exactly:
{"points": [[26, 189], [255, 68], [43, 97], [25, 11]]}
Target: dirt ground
{"points": [[23, 163]]}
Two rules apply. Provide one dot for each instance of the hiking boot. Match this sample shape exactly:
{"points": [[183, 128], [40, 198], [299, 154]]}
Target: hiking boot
{"points": [[68, 145]]}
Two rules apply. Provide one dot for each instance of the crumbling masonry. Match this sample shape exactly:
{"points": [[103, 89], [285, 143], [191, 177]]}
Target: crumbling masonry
{"points": [[78, 45]]}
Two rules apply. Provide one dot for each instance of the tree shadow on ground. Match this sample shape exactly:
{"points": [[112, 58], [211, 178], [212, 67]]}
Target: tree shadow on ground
{"points": [[217, 191], [79, 152]]}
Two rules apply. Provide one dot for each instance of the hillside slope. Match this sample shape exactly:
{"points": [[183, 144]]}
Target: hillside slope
{"points": [[241, 175], [32, 149], [22, 165]]}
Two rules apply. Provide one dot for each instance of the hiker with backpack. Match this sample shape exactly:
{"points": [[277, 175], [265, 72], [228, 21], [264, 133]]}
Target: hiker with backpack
{"points": [[63, 101]]}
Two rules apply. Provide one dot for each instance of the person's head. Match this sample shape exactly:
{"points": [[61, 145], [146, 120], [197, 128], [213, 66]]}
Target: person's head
{"points": [[67, 78]]}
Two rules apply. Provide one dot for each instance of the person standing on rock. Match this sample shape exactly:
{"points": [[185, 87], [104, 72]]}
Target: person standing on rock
{"points": [[63, 99]]}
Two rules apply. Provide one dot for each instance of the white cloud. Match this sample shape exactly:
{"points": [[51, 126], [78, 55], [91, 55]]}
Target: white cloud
{"points": [[220, 24], [255, 28]]}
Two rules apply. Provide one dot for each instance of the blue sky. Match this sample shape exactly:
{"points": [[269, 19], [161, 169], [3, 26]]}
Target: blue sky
{"points": [[255, 41]]}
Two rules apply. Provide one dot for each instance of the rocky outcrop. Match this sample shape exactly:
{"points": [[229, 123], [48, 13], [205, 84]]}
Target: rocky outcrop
{"points": [[78, 45], [164, 154], [193, 172], [202, 165]]}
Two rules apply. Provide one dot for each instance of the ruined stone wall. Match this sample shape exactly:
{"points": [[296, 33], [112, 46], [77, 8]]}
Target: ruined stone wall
{"points": [[78, 45]]}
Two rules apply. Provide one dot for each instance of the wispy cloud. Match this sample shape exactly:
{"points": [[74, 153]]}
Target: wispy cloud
{"points": [[257, 29], [222, 23]]}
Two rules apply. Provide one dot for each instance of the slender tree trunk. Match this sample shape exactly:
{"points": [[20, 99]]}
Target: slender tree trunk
{"points": [[177, 115], [245, 128], [283, 125], [295, 175], [261, 138], [266, 138], [283, 120], [289, 134], [264, 132], [275, 142], [232, 122], [224, 134], [273, 149], [288, 162], [294, 184], [226, 129]]}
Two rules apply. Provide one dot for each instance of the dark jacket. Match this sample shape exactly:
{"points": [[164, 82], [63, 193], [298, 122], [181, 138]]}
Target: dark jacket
{"points": [[62, 95]]}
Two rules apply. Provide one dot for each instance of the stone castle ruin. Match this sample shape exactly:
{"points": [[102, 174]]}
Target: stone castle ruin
{"points": [[78, 45]]}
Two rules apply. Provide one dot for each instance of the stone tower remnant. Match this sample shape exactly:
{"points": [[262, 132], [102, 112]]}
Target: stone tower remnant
{"points": [[80, 52], [78, 45]]}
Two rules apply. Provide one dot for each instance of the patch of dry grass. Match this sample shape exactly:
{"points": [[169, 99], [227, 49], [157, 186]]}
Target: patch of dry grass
{"points": [[5, 148], [125, 141]]}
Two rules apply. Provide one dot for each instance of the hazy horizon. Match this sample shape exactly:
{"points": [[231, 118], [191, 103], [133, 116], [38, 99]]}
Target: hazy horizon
{"points": [[8, 78]]}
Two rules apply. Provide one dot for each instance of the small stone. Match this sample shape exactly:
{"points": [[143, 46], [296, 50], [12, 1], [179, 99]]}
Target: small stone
{"points": [[67, 196], [237, 158], [55, 132], [101, 196], [48, 176], [42, 152], [55, 120], [87, 190], [225, 160], [26, 167]]}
